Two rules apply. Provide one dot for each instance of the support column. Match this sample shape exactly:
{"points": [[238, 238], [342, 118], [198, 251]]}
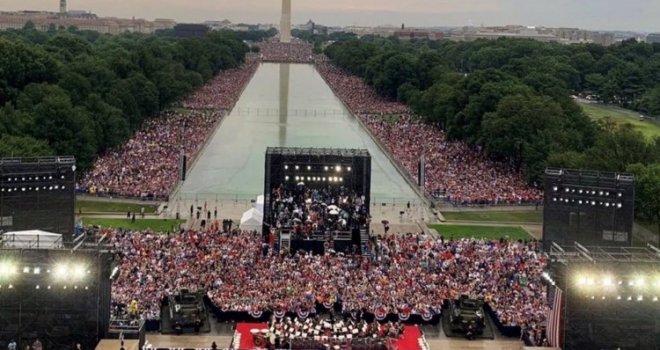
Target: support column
{"points": [[285, 23]]}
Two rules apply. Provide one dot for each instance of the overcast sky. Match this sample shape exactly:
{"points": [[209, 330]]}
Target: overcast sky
{"points": [[640, 15]]}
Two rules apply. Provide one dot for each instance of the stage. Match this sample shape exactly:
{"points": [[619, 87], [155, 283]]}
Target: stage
{"points": [[411, 339]]}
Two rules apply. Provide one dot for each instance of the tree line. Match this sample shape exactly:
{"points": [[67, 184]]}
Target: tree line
{"points": [[80, 93], [511, 98]]}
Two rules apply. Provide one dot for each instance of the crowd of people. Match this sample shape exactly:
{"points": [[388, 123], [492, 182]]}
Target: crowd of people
{"points": [[296, 51], [462, 174], [147, 165], [307, 210], [223, 90], [409, 274]]}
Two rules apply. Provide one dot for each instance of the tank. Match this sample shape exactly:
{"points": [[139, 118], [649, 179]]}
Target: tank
{"points": [[187, 308]]}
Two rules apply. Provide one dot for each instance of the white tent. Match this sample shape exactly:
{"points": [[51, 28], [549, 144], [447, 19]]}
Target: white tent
{"points": [[252, 220], [34, 239], [260, 204]]}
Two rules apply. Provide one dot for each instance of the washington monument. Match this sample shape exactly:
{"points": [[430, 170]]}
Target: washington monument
{"points": [[285, 23]]}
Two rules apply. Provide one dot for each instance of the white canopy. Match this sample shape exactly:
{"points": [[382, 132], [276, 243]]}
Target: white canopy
{"points": [[252, 220], [33, 239]]}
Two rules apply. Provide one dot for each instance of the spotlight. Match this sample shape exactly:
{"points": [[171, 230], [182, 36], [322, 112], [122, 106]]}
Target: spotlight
{"points": [[325, 168], [60, 271], [618, 297], [338, 168], [603, 297], [349, 168], [618, 205], [619, 194], [607, 281], [309, 167], [640, 282], [26, 270], [297, 167], [629, 298], [48, 287], [655, 298], [11, 286], [286, 167], [7, 269], [286, 178], [567, 190], [79, 272], [640, 298], [37, 287], [580, 191]]}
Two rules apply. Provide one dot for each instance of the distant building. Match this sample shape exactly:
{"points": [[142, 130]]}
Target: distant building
{"points": [[191, 30], [62, 6], [653, 38], [408, 34], [82, 20]]}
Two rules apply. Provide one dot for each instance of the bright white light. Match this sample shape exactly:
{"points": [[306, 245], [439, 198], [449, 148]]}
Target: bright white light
{"points": [[37, 287], [618, 297], [338, 168], [629, 298], [640, 298], [79, 272], [60, 271], [297, 167], [286, 178], [286, 167], [655, 298], [325, 168], [619, 205], [309, 167], [26, 270], [7, 269], [349, 168], [640, 282], [607, 281]]}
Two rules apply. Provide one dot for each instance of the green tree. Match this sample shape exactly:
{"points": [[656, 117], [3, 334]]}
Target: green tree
{"points": [[23, 146], [647, 191]]}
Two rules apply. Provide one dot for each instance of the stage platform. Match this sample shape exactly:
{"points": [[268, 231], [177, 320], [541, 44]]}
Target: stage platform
{"points": [[115, 344], [411, 339]]}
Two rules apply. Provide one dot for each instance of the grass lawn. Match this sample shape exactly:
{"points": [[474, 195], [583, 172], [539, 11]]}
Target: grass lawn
{"points": [[112, 207], [158, 225], [491, 232], [495, 216], [620, 115]]}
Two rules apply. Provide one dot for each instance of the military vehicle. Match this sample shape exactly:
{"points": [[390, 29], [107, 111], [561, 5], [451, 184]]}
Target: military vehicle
{"points": [[187, 309], [466, 316]]}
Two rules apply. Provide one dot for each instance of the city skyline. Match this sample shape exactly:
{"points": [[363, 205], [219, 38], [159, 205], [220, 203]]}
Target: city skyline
{"points": [[637, 15]]}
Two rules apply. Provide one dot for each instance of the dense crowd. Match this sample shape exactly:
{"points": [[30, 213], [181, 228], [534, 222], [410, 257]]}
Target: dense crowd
{"points": [[307, 210], [460, 172], [147, 165], [355, 93], [411, 274], [223, 91], [295, 52]]}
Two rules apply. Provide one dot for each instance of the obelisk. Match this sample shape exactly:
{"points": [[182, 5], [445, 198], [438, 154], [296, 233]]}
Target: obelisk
{"points": [[285, 23]]}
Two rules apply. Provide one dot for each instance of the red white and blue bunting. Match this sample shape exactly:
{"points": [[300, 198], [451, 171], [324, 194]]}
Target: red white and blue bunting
{"points": [[279, 313], [303, 314], [380, 314], [404, 316], [256, 313]]}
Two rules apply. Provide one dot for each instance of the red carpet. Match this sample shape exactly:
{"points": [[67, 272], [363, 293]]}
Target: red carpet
{"points": [[246, 337], [410, 340]]}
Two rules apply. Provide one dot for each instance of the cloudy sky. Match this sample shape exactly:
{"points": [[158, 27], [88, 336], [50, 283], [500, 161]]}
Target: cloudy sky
{"points": [[638, 15]]}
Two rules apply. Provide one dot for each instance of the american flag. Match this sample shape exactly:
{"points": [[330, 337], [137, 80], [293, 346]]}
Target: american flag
{"points": [[553, 328]]}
